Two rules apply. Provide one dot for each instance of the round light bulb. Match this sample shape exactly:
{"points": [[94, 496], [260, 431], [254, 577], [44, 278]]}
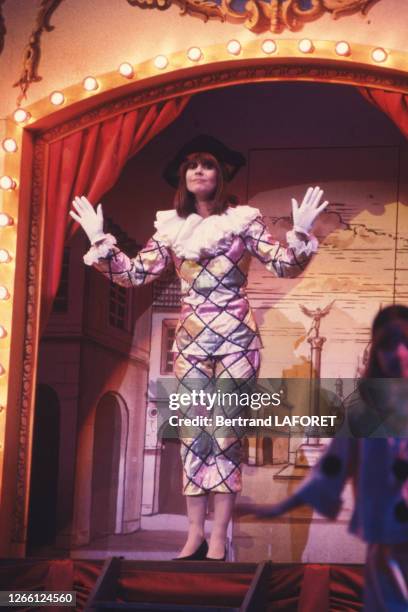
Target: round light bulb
{"points": [[342, 48], [2, 370], [5, 220], [379, 55], [126, 69], [57, 98], [194, 54], [3, 332], [4, 256], [6, 182], [4, 294], [269, 46], [305, 45], [161, 61], [90, 83], [20, 115], [234, 47], [9, 145]]}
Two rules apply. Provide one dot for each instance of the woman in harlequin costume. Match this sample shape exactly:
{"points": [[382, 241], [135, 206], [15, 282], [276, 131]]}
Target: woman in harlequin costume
{"points": [[377, 465], [210, 243]]}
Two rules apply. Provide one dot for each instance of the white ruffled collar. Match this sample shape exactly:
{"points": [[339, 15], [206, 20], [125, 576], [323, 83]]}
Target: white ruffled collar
{"points": [[197, 237]]}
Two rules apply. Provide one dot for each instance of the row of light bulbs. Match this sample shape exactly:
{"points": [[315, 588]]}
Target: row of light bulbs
{"points": [[194, 54], [5, 257], [269, 46], [5, 220], [9, 145]]}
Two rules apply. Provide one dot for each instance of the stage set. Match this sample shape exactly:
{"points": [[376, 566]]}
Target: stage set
{"points": [[97, 97]]}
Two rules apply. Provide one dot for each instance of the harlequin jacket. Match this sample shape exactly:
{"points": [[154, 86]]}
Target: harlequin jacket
{"points": [[211, 257]]}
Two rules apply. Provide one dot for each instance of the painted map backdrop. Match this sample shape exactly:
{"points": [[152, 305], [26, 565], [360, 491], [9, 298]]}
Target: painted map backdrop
{"points": [[360, 263]]}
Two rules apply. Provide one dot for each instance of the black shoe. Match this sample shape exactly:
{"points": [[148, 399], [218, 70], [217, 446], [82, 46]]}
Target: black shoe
{"points": [[218, 558], [198, 555]]}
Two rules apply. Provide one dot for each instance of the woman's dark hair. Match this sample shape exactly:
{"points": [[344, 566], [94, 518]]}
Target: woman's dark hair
{"points": [[387, 328], [184, 200]]}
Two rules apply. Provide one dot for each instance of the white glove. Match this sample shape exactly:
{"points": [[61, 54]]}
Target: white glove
{"points": [[305, 214], [90, 220]]}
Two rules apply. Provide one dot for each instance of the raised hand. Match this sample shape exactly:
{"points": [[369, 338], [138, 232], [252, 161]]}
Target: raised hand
{"points": [[90, 220], [305, 215]]}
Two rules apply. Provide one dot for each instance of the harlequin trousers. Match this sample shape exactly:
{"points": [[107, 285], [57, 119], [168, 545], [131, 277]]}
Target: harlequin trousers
{"points": [[211, 453]]}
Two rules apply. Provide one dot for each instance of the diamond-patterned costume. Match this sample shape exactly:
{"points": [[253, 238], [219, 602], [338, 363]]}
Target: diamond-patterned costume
{"points": [[211, 457], [211, 256]]}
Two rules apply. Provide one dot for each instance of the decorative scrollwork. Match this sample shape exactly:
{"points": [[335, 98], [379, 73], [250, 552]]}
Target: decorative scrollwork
{"points": [[32, 52], [162, 5], [261, 15], [205, 9]]}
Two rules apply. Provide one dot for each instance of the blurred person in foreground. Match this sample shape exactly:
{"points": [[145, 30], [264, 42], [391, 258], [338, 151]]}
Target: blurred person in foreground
{"points": [[377, 465]]}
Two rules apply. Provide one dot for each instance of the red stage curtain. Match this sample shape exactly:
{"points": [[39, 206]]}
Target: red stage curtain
{"points": [[337, 588], [395, 105], [89, 162]]}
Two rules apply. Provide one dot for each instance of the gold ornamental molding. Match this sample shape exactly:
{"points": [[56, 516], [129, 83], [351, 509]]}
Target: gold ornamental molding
{"points": [[261, 15], [28, 383], [66, 111]]}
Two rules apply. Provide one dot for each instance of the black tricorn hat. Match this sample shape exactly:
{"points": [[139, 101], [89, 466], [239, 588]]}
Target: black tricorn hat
{"points": [[230, 161]]}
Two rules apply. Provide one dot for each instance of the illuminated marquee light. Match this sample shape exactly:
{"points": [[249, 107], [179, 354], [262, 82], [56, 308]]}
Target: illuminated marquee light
{"points": [[90, 83], [126, 70], [342, 48], [9, 145], [6, 183], [234, 47], [3, 332], [4, 256], [4, 294], [269, 46], [379, 54], [305, 45], [5, 220], [20, 115], [161, 62], [2, 370], [57, 98], [194, 54]]}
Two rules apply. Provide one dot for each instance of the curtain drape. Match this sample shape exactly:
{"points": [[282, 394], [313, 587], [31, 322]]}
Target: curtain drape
{"points": [[395, 105], [89, 162]]}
